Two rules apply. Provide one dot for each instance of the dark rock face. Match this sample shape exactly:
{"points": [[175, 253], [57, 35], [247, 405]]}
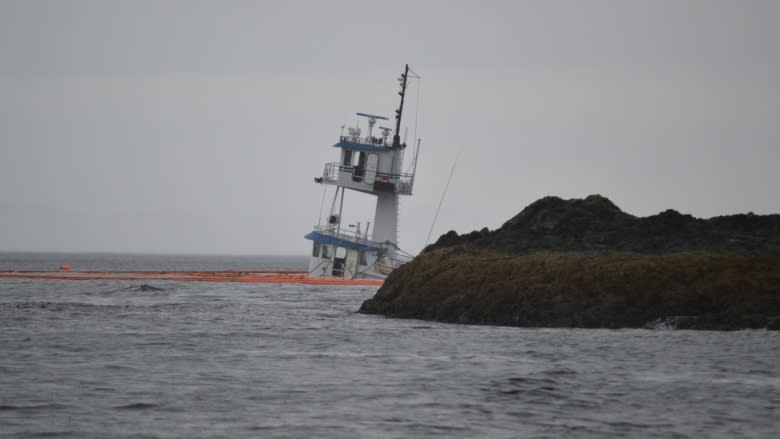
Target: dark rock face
{"points": [[586, 263], [596, 224]]}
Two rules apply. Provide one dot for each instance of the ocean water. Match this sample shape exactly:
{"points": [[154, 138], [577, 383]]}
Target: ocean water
{"points": [[109, 359]]}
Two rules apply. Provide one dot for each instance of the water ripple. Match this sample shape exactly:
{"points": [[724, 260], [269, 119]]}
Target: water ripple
{"points": [[108, 359]]}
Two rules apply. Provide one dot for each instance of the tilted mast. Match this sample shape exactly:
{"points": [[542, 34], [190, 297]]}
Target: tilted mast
{"points": [[400, 110]]}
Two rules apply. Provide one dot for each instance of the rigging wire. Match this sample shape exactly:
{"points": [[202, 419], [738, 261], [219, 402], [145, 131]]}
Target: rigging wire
{"points": [[417, 107], [416, 116], [322, 204], [441, 201]]}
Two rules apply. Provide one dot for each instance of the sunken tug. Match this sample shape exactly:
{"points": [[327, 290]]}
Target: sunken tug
{"points": [[371, 165]]}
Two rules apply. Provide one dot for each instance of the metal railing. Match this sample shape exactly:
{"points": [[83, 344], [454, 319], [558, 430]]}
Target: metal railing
{"points": [[389, 264], [346, 235], [373, 141], [403, 181], [332, 170]]}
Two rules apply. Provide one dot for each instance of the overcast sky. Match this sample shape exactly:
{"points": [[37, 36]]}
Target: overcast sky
{"points": [[198, 127]]}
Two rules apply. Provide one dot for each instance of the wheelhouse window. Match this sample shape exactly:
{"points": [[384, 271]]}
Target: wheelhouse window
{"points": [[360, 169], [316, 250]]}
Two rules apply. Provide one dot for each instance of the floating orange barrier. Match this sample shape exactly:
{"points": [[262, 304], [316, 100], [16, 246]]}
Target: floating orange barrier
{"points": [[265, 277]]}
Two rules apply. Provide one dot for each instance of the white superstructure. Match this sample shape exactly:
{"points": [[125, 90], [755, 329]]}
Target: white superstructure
{"points": [[371, 165]]}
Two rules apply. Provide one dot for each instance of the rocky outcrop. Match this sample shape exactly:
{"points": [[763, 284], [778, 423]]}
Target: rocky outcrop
{"points": [[595, 224], [586, 263]]}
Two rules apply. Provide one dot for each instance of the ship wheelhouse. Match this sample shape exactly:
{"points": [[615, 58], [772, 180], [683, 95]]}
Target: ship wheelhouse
{"points": [[370, 165]]}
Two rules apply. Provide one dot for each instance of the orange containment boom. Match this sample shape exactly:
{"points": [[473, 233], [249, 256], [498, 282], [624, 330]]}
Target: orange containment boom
{"points": [[256, 277]]}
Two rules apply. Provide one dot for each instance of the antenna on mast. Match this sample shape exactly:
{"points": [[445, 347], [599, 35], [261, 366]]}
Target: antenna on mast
{"points": [[385, 133], [371, 121]]}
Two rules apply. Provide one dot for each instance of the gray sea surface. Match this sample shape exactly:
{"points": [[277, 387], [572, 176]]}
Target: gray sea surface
{"points": [[110, 359]]}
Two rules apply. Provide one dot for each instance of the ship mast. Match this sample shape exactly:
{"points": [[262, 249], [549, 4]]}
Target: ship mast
{"points": [[400, 110]]}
